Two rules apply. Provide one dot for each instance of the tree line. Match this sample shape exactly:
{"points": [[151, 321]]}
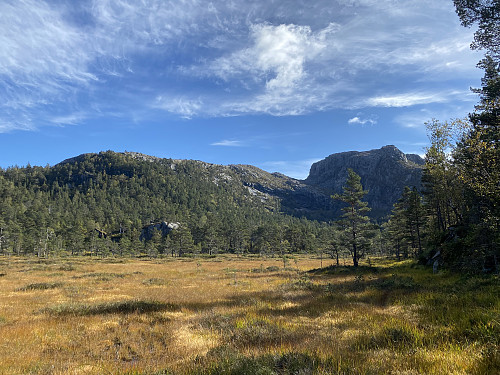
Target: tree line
{"points": [[458, 216]]}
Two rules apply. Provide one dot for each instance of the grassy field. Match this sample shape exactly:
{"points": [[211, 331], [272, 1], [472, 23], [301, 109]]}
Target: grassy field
{"points": [[230, 315]]}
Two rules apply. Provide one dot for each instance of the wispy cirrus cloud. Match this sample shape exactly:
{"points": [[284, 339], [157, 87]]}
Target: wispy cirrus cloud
{"points": [[42, 62], [228, 143], [185, 107], [409, 99], [70, 119], [219, 58], [288, 69]]}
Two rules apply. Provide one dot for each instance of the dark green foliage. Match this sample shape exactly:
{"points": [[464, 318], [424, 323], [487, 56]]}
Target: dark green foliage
{"points": [[405, 227], [356, 225], [486, 14], [462, 187], [98, 204], [462, 172]]}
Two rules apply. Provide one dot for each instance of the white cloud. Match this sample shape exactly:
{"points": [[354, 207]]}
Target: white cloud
{"points": [[39, 48], [412, 98], [407, 99], [70, 119], [275, 59], [228, 143], [358, 121], [181, 106], [223, 58], [283, 50], [272, 72], [288, 69], [43, 60]]}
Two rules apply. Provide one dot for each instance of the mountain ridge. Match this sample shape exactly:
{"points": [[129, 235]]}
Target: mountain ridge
{"points": [[384, 173]]}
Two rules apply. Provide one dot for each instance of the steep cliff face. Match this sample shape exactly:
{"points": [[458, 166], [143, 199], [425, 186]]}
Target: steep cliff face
{"points": [[384, 173]]}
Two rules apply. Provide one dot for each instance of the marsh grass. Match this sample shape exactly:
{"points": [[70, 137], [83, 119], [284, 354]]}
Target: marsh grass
{"points": [[244, 315], [101, 276], [158, 281], [118, 307], [225, 360], [40, 286]]}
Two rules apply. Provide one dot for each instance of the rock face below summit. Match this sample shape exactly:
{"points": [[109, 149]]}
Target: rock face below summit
{"points": [[384, 173]]}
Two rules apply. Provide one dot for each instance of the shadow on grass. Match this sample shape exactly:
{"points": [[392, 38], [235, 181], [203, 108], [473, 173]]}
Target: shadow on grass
{"points": [[119, 307], [335, 270], [304, 296], [225, 360]]}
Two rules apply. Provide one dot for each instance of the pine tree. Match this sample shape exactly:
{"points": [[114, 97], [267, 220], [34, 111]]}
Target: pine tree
{"points": [[329, 241], [356, 225], [405, 226], [182, 240], [486, 14]]}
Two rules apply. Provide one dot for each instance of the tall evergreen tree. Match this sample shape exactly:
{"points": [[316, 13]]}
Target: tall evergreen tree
{"points": [[486, 14], [406, 223], [442, 188], [182, 241], [477, 157], [355, 223]]}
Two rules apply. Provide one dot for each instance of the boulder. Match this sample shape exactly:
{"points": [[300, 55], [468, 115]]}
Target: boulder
{"points": [[164, 227]]}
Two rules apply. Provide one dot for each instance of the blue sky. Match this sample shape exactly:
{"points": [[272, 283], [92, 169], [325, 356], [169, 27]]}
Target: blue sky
{"points": [[275, 84]]}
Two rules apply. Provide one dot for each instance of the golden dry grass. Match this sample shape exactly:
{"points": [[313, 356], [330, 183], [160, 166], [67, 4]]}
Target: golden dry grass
{"points": [[225, 315]]}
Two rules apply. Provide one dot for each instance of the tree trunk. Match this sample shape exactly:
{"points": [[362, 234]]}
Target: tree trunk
{"points": [[354, 255]]}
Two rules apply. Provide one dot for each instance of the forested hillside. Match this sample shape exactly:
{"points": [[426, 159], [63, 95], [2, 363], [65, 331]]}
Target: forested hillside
{"points": [[99, 203]]}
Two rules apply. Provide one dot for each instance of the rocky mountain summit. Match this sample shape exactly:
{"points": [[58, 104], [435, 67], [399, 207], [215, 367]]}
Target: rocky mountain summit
{"points": [[384, 173]]}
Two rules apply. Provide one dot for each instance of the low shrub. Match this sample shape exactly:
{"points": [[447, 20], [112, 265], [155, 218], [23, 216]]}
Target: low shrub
{"points": [[39, 286], [101, 276], [154, 281]]}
